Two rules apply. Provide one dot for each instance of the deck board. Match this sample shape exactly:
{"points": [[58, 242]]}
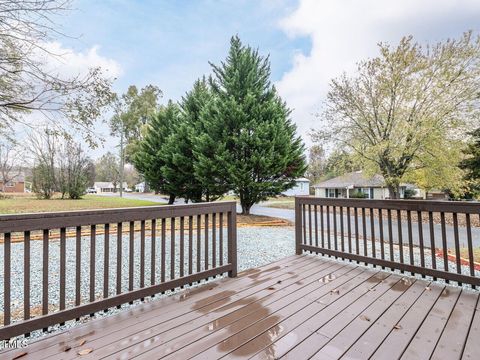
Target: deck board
{"points": [[300, 307]]}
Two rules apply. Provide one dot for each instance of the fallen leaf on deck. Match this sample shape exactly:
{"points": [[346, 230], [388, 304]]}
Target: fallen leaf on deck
{"points": [[82, 342], [271, 288], [336, 291], [20, 355], [279, 281], [85, 351], [398, 327], [372, 289], [67, 348], [427, 288], [364, 317]]}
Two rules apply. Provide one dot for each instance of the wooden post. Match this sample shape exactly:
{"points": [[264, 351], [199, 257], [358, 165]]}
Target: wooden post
{"points": [[298, 226], [232, 240]]}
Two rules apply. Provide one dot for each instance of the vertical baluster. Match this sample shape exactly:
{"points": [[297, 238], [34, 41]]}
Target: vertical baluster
{"points": [[457, 244], [444, 243], [78, 264], [172, 248], [44, 274], [364, 229], [182, 245], [106, 260], [7, 281], [119, 258], [142, 253], [214, 240], [382, 238], [63, 236], [199, 247], [131, 255], [410, 237], [357, 240], [328, 227], [26, 275], [190, 244], [163, 251], [432, 241], [232, 242], [310, 224], [322, 227], [92, 262], [470, 246], [341, 230], [420, 239], [334, 212], [153, 251], [400, 239], [221, 239], [206, 242], [349, 230], [372, 233], [316, 225], [304, 222], [390, 236]]}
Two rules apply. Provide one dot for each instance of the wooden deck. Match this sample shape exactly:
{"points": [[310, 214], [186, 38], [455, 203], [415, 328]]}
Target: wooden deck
{"points": [[297, 308]]}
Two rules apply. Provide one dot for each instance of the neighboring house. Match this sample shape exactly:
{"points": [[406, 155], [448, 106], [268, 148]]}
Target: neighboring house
{"points": [[302, 187], [344, 186], [140, 187], [107, 187], [17, 185]]}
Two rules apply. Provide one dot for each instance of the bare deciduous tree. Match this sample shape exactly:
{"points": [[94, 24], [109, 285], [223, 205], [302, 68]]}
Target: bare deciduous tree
{"points": [[27, 81], [10, 162]]}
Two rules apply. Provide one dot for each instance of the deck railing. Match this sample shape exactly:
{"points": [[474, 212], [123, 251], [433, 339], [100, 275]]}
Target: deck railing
{"points": [[430, 238], [61, 266]]}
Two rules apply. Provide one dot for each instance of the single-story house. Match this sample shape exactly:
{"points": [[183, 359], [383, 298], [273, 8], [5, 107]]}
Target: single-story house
{"points": [[16, 185], [345, 186], [302, 187], [107, 187], [140, 187]]}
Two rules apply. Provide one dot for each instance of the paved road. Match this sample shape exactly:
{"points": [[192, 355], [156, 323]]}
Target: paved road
{"points": [[290, 215]]}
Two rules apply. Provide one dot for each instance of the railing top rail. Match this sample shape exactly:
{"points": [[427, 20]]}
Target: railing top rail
{"points": [[46, 220], [413, 205]]}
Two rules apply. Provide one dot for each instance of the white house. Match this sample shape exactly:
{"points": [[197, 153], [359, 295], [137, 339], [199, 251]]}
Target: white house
{"points": [[140, 187], [107, 187], [345, 186], [302, 187]]}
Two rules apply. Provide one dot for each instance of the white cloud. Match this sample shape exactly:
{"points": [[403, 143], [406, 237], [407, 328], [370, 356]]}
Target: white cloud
{"points": [[343, 32], [68, 63]]}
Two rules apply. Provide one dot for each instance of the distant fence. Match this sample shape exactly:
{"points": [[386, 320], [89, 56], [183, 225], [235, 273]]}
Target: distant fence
{"points": [[127, 254], [421, 237]]}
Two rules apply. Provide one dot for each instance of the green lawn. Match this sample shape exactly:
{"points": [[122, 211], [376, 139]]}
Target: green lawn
{"points": [[281, 203], [29, 204]]}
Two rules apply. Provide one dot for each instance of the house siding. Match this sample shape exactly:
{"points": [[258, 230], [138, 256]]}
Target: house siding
{"points": [[18, 187]]}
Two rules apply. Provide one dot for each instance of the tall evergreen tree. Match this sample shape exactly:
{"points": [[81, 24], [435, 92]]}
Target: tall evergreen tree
{"points": [[149, 159], [179, 155], [249, 144]]}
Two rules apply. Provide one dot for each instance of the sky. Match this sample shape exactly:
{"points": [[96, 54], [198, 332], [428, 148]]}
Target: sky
{"points": [[170, 43]]}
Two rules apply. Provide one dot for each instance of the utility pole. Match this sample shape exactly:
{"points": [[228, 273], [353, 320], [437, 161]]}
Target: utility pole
{"points": [[121, 160]]}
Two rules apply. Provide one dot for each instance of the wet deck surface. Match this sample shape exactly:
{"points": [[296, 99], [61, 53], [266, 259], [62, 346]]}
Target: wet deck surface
{"points": [[297, 308]]}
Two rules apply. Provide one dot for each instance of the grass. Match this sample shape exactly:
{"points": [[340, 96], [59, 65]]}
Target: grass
{"points": [[29, 203], [476, 253], [281, 203]]}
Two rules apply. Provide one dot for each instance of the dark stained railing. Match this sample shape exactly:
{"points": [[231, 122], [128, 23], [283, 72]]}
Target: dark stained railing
{"points": [[420, 237], [105, 258]]}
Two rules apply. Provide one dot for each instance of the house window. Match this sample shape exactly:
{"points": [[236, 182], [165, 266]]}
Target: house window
{"points": [[366, 191], [10, 184], [331, 193]]}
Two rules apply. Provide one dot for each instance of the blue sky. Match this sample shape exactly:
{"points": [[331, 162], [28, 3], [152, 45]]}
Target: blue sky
{"points": [[169, 43]]}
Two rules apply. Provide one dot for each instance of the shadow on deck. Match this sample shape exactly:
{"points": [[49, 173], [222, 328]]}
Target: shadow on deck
{"points": [[305, 306]]}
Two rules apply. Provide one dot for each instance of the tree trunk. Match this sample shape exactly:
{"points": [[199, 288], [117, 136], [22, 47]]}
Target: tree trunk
{"points": [[246, 209], [394, 191], [171, 199]]}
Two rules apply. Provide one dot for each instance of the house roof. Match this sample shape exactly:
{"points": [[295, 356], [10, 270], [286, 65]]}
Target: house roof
{"points": [[353, 179], [106, 184]]}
